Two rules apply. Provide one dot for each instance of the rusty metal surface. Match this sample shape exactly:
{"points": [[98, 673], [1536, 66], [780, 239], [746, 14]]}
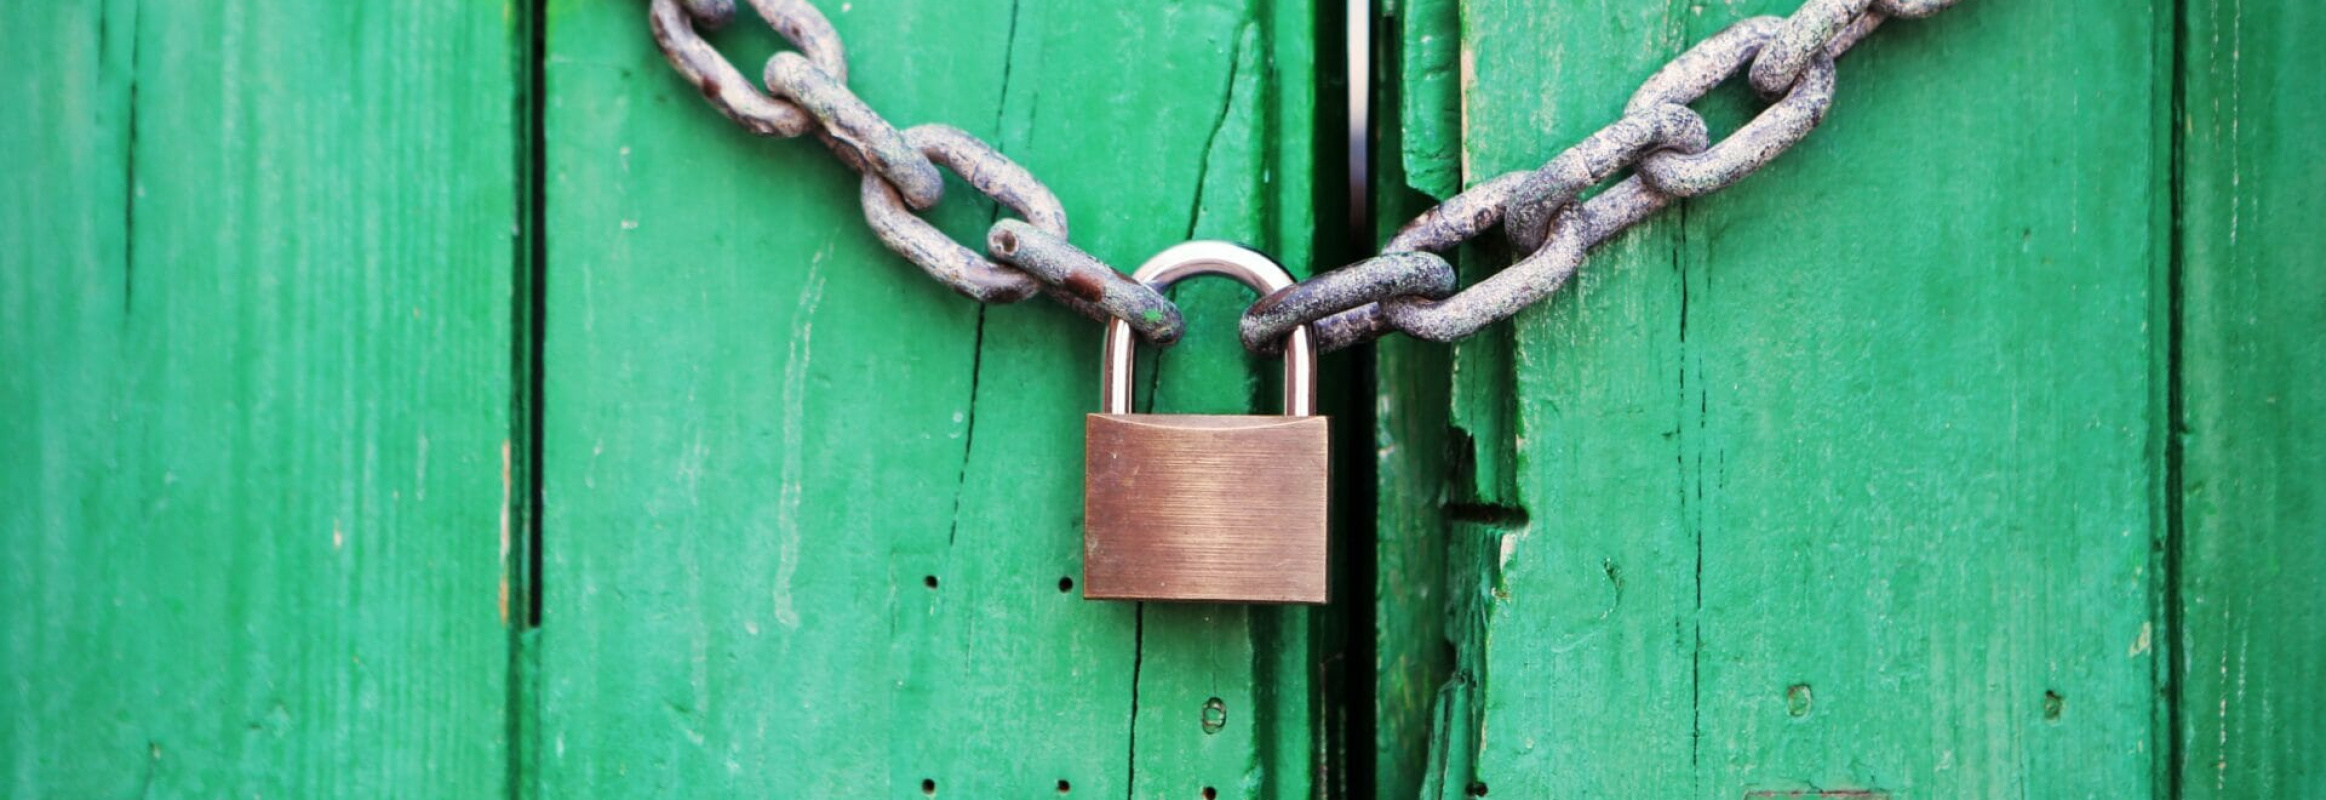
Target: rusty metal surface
{"points": [[808, 94], [1267, 324], [713, 14], [990, 173], [1206, 508], [1542, 212], [725, 87], [1084, 283], [1344, 309], [1800, 40], [1912, 9], [1407, 289], [863, 139], [1777, 129], [1666, 126], [1573, 234]]}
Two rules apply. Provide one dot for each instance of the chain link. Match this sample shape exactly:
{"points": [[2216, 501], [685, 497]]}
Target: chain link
{"points": [[807, 92], [854, 131], [1800, 40], [1084, 283], [1409, 288], [726, 89], [1659, 139], [989, 172], [1779, 127]]}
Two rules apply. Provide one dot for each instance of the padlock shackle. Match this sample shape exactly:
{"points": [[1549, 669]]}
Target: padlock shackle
{"points": [[1189, 259]]}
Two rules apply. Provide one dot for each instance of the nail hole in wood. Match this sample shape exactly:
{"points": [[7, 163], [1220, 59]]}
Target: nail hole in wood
{"points": [[1799, 700]]}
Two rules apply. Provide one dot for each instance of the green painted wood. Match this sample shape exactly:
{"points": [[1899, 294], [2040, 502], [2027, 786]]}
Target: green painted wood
{"points": [[1798, 492], [254, 355], [1844, 478], [2252, 486], [809, 517], [1418, 164]]}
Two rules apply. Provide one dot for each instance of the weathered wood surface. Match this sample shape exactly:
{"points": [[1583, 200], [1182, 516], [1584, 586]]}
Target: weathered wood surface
{"points": [[1848, 478], [2252, 402], [1413, 656], [810, 518], [1971, 451], [254, 367]]}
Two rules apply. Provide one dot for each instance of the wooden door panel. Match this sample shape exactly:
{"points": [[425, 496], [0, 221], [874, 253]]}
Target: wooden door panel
{"points": [[255, 295], [2251, 485], [809, 516], [1844, 478], [1966, 451]]}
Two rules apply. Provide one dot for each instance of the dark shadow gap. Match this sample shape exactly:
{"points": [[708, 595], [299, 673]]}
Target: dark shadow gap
{"points": [[534, 295], [128, 173], [522, 585], [1138, 660], [2175, 673], [1341, 195], [969, 428]]}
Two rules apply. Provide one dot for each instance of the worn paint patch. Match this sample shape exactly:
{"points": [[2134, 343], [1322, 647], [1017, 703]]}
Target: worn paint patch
{"points": [[1806, 496], [508, 498], [793, 476]]}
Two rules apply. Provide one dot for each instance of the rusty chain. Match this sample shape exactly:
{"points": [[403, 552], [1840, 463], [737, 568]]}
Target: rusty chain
{"points": [[807, 92], [1408, 289]]}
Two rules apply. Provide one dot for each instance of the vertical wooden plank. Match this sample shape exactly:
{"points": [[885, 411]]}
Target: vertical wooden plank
{"points": [[812, 521], [1573, 670], [744, 401], [1416, 164], [1924, 461], [2252, 486], [64, 238], [257, 354], [1843, 478]]}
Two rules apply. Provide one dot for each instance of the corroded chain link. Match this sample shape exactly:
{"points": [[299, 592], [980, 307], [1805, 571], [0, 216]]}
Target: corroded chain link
{"points": [[807, 92], [1410, 289]]}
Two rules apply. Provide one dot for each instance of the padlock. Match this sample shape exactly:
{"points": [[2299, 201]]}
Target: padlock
{"points": [[1202, 507]]}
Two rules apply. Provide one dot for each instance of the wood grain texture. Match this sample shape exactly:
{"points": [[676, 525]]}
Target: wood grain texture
{"points": [[811, 519], [2252, 370], [254, 358], [1417, 160], [1845, 477], [1897, 471]]}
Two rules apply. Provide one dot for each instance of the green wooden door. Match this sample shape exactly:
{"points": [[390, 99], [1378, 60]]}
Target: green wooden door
{"points": [[436, 398], [1967, 451], [255, 293], [811, 522]]}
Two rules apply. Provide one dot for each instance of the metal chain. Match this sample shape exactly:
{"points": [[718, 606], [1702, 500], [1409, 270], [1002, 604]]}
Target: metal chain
{"points": [[1409, 289], [807, 92]]}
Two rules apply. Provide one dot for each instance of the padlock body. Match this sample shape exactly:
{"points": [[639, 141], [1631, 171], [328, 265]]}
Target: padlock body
{"points": [[1213, 508]]}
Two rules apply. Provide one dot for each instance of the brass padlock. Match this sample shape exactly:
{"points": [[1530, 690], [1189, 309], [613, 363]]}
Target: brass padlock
{"points": [[1199, 507]]}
